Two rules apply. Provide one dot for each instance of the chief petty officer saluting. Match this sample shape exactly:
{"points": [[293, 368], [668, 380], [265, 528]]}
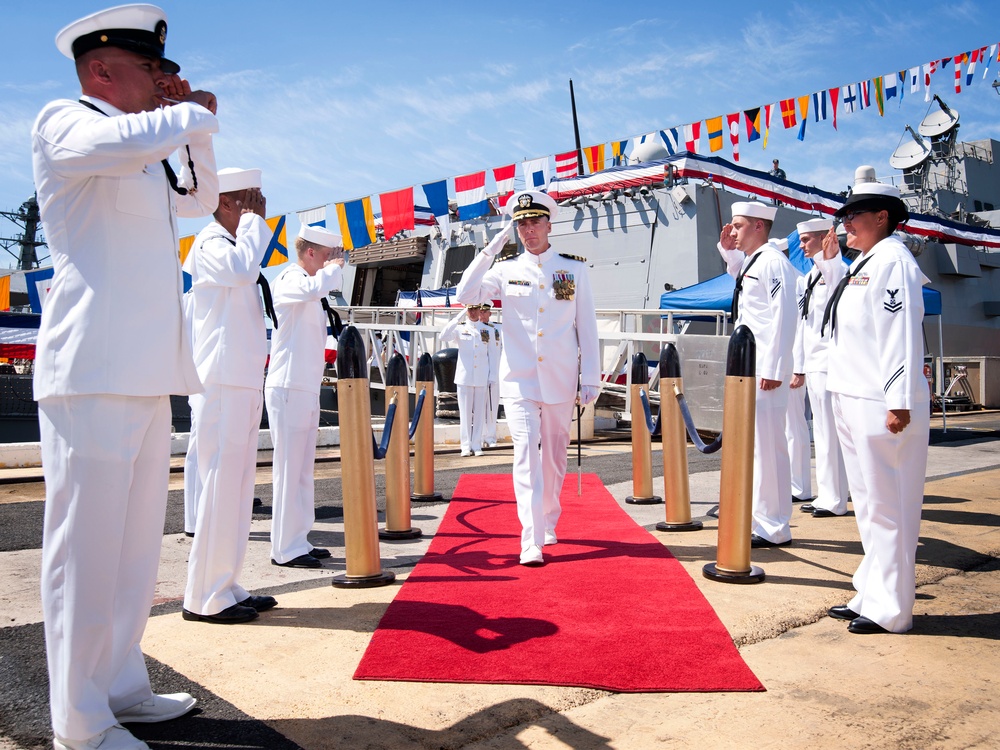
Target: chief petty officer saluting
{"points": [[875, 373], [549, 326]]}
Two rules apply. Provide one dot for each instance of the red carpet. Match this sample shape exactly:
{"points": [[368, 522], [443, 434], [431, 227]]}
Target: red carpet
{"points": [[611, 609]]}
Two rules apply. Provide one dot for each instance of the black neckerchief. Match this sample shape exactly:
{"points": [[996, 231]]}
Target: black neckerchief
{"points": [[171, 175], [830, 316], [265, 288], [808, 294], [739, 287]]}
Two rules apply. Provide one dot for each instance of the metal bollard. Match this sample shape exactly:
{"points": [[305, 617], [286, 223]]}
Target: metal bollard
{"points": [[423, 440], [736, 491], [357, 457], [397, 459], [642, 449], [676, 489]]}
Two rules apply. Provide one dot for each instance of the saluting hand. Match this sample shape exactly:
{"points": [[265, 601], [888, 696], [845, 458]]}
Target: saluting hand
{"points": [[254, 203], [726, 239], [177, 88], [336, 257], [831, 245]]}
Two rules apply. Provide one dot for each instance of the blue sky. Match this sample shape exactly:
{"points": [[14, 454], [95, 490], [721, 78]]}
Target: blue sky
{"points": [[338, 100]]}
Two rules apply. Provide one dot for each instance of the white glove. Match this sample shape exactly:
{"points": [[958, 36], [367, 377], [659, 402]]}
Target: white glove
{"points": [[588, 394], [497, 243]]}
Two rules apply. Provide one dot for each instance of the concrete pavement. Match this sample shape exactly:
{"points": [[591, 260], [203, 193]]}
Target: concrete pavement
{"points": [[284, 681]]}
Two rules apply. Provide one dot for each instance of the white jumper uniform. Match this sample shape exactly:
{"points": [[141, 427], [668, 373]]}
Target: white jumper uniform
{"points": [[796, 426], [549, 326], [292, 390], [230, 349], [472, 374], [111, 349], [494, 352], [876, 365], [767, 306], [831, 475]]}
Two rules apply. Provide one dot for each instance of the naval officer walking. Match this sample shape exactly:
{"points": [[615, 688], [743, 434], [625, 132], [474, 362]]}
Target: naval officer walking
{"points": [[764, 301], [111, 349], [550, 349], [880, 401], [831, 475]]}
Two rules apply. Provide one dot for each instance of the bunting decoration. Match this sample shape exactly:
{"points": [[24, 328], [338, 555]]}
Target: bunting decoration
{"points": [[671, 139], [987, 60], [850, 98], [714, 126], [929, 69], [618, 152], [567, 165], [185, 246], [397, 212], [423, 216], [889, 87], [536, 173], [753, 124], [357, 223], [914, 80], [277, 248], [819, 106], [804, 113], [733, 125], [692, 134], [313, 217], [959, 59], [970, 71], [864, 95], [437, 197], [768, 109], [470, 194], [595, 157], [504, 177], [787, 113], [834, 100], [880, 95]]}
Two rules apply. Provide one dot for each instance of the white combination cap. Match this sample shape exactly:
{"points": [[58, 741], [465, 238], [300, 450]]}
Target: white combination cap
{"points": [[814, 225], [320, 236], [138, 28], [528, 203], [754, 210], [232, 179]]}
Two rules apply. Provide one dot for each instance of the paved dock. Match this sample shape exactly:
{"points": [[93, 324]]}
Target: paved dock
{"points": [[284, 681]]}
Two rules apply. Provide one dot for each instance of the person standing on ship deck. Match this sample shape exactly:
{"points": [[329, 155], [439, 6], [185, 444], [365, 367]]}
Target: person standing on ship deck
{"points": [[550, 350], [111, 349], [493, 392], [472, 372]]}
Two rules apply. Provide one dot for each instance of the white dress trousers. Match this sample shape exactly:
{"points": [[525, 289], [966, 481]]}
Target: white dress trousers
{"points": [[797, 436], [494, 352], [294, 416], [831, 475], [228, 419], [192, 481], [886, 474], [471, 416], [772, 501], [540, 433], [103, 531]]}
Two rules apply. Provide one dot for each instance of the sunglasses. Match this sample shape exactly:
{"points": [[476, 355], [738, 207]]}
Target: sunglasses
{"points": [[850, 215]]}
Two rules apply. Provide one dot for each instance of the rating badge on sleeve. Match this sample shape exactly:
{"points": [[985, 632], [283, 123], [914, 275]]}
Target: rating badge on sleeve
{"points": [[564, 285]]}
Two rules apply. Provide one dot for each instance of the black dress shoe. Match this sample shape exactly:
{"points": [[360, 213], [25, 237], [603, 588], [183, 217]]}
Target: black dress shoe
{"points": [[801, 499], [189, 534], [807, 508], [229, 616], [864, 626], [257, 502], [759, 541], [842, 612], [302, 561], [824, 513], [259, 603], [319, 553]]}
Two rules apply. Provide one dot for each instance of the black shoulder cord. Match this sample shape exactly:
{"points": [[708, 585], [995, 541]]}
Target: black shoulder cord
{"points": [[171, 175]]}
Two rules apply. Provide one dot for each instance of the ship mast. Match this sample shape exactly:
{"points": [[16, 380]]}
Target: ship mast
{"points": [[27, 217]]}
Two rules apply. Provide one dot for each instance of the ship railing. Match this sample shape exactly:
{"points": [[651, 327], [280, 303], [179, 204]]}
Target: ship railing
{"points": [[622, 333]]}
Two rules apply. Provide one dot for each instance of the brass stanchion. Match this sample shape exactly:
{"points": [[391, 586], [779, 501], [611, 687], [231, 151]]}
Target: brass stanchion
{"points": [[676, 490], [642, 449], [736, 491], [423, 440], [357, 457], [397, 458]]}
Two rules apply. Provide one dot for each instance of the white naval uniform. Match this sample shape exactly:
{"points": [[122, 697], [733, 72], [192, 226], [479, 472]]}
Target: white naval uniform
{"points": [[472, 373], [796, 426], [767, 306], [192, 481], [494, 352], [549, 346], [876, 364], [294, 377], [111, 348], [831, 475], [230, 349]]}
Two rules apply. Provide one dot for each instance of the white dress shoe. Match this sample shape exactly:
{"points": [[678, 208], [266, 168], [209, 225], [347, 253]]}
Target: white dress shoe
{"points": [[479, 453], [550, 537], [466, 454], [532, 556], [157, 708], [114, 738]]}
